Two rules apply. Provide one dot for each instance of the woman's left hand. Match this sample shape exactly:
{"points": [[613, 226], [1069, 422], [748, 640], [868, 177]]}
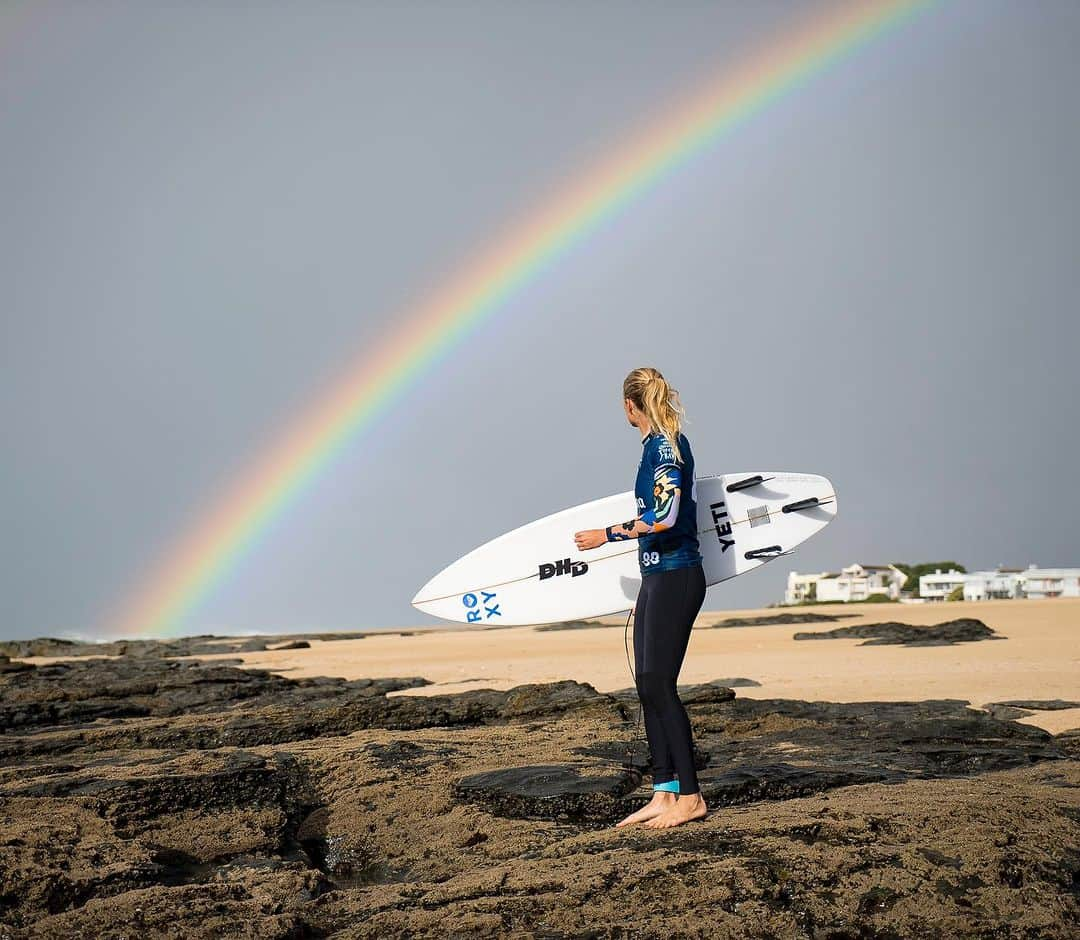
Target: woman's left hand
{"points": [[589, 538]]}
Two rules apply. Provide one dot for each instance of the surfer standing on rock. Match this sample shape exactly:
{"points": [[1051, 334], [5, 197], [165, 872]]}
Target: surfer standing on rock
{"points": [[671, 593]]}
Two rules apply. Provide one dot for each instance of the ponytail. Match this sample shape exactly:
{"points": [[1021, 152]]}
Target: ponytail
{"points": [[650, 392]]}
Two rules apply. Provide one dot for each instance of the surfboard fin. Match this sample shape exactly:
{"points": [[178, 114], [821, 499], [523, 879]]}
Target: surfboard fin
{"points": [[764, 554], [747, 483], [808, 503]]}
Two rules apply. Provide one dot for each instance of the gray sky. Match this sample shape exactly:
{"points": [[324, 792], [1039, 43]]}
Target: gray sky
{"points": [[210, 209]]}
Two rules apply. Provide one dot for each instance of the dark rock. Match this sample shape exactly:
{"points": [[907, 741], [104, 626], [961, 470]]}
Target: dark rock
{"points": [[81, 691], [766, 619], [1011, 870], [933, 738], [937, 858], [142, 796], [876, 900], [1069, 742], [548, 698], [561, 792], [960, 889], [262, 708], [1007, 712], [963, 630], [557, 791], [574, 625], [406, 755], [1038, 704], [703, 693], [239, 779], [163, 649], [46, 646], [779, 782], [771, 619], [7, 666], [348, 862]]}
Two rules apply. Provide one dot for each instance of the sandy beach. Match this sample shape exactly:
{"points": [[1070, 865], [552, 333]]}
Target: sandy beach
{"points": [[1038, 659]]}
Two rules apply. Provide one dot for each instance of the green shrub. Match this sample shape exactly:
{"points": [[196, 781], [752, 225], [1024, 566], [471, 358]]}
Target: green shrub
{"points": [[927, 567], [878, 599]]}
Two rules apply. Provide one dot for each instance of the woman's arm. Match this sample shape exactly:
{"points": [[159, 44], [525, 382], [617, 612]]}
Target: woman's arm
{"points": [[667, 489]]}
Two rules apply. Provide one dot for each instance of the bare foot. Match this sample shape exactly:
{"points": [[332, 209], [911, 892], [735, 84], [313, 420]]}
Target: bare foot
{"points": [[662, 801], [689, 806]]}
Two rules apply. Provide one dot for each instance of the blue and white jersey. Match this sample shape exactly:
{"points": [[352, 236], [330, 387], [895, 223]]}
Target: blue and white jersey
{"points": [[659, 476]]}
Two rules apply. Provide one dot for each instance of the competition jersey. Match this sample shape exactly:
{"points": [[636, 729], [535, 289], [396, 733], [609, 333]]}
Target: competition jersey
{"points": [[658, 475]]}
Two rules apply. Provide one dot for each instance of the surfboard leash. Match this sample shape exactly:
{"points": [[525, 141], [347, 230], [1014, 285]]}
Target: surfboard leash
{"points": [[628, 766]]}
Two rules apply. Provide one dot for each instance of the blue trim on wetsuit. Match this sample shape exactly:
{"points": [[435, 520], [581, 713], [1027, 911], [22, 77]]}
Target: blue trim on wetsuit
{"points": [[671, 786]]}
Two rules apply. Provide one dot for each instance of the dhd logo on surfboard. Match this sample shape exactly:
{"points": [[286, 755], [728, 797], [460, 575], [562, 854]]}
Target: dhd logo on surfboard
{"points": [[563, 566]]}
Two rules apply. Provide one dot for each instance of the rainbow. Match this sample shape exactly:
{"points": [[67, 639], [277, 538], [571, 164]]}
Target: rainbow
{"points": [[204, 556]]}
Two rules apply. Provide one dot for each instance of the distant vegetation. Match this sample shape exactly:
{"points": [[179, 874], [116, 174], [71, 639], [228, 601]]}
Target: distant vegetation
{"points": [[914, 572], [877, 599], [872, 599]]}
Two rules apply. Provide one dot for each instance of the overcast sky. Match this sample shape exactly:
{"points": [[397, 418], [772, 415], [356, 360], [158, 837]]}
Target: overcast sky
{"points": [[209, 209]]}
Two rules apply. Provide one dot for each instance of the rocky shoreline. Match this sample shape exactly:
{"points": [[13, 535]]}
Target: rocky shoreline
{"points": [[148, 796], [207, 645], [961, 630]]}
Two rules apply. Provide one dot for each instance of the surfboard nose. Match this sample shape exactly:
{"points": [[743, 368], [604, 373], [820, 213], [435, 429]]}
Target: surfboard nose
{"points": [[428, 592], [419, 595]]}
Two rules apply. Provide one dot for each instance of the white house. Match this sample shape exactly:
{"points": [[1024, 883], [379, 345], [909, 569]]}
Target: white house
{"points": [[993, 585], [853, 583], [939, 585], [857, 582], [1030, 582], [1051, 582], [801, 587]]}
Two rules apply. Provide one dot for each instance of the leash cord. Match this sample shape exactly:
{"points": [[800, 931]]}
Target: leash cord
{"points": [[628, 766]]}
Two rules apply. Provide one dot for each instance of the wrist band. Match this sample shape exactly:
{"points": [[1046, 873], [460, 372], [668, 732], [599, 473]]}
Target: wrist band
{"points": [[607, 533]]}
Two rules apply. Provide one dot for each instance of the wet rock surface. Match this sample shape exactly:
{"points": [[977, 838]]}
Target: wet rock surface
{"points": [[162, 649], [735, 682], [768, 619], [573, 625], [6, 665], [963, 630], [1021, 708], [704, 624], [1054, 704], [144, 797]]}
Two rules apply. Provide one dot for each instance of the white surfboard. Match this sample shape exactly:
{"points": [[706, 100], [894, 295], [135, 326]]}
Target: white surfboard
{"points": [[535, 573]]}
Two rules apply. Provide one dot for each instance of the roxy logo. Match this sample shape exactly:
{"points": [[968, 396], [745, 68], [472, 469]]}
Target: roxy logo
{"points": [[473, 614], [563, 566]]}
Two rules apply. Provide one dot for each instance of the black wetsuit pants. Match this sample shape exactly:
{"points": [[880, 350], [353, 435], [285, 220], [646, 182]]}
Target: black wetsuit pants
{"points": [[667, 603]]}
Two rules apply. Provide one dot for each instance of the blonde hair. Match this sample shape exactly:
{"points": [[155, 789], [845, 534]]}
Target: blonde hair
{"points": [[651, 394]]}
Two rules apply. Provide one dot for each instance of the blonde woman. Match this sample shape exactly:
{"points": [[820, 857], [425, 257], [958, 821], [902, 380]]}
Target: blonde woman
{"points": [[671, 593]]}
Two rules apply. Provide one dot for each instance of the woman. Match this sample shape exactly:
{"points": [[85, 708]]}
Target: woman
{"points": [[671, 593]]}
